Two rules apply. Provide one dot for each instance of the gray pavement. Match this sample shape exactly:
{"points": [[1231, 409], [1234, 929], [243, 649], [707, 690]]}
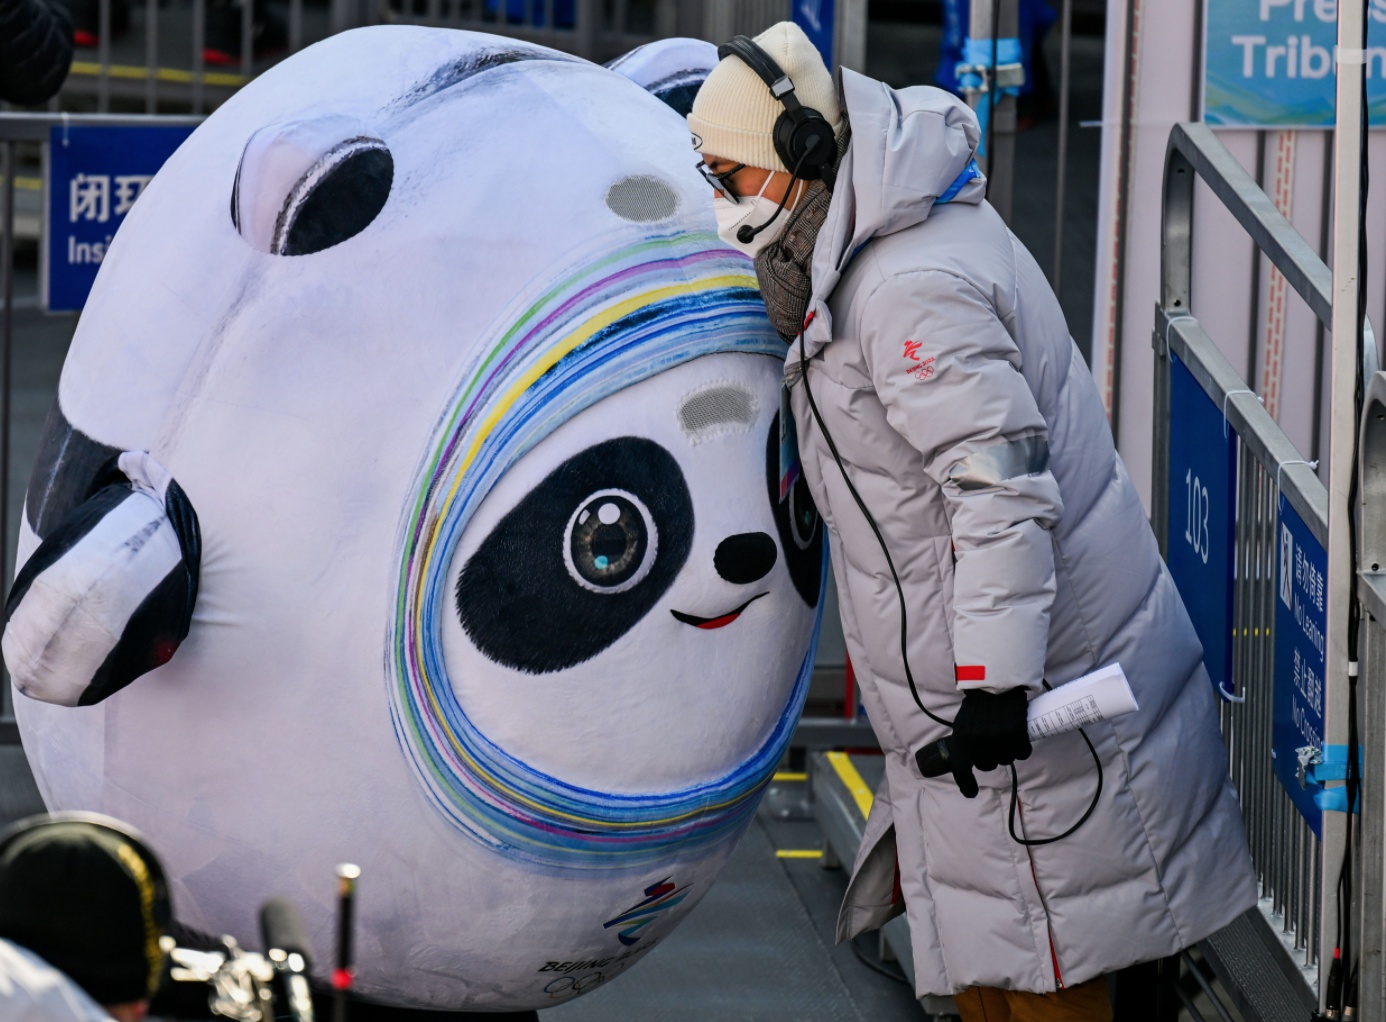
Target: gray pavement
{"points": [[759, 947]]}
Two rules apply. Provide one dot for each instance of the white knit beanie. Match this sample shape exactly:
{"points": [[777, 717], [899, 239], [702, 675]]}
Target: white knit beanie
{"points": [[734, 113]]}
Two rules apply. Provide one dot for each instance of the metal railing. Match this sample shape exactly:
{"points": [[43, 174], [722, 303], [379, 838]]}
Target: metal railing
{"points": [[191, 55], [1289, 859]]}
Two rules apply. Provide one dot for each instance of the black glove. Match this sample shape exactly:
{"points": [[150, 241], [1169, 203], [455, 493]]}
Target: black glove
{"points": [[988, 731]]}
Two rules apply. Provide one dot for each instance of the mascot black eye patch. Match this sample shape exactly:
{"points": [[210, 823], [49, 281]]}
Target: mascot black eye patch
{"points": [[580, 560]]}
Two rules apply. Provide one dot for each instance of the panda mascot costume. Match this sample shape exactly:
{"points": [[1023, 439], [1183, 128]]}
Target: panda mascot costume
{"points": [[415, 496]]}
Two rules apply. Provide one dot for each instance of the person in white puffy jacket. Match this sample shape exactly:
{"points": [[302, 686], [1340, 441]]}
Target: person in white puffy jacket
{"points": [[987, 542]]}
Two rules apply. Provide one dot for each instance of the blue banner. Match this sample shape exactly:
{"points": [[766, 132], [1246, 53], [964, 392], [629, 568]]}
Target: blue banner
{"points": [[95, 174], [1270, 63], [1201, 516], [1301, 621], [818, 19]]}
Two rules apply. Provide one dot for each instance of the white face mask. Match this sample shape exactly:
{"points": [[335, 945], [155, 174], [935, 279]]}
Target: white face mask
{"points": [[732, 216]]}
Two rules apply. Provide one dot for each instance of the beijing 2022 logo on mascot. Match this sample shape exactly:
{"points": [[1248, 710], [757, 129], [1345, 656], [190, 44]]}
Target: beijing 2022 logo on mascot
{"points": [[412, 499]]}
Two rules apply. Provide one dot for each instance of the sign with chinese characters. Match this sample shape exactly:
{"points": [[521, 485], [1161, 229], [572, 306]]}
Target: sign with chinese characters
{"points": [[1271, 63], [818, 19], [1202, 491], [95, 175], [1301, 619]]}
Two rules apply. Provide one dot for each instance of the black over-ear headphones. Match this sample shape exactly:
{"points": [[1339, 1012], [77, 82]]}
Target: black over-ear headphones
{"points": [[804, 139], [153, 885]]}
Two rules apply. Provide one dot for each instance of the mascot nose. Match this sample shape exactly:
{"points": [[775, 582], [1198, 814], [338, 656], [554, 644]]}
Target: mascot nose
{"points": [[745, 557]]}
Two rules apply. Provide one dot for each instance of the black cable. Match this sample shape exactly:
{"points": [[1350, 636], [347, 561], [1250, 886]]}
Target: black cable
{"points": [[793, 180], [1015, 798], [1352, 775], [1092, 806], [876, 531], [896, 974], [904, 625]]}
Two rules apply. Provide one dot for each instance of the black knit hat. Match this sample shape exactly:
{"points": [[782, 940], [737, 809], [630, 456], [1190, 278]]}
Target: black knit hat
{"points": [[85, 894]]}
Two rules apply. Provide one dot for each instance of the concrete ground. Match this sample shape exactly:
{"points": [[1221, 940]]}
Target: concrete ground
{"points": [[760, 947]]}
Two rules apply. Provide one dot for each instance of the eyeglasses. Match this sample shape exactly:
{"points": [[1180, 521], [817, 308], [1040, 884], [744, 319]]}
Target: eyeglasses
{"points": [[719, 181]]}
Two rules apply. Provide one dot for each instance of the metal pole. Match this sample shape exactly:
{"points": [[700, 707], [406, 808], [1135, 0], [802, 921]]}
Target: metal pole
{"points": [[295, 25], [1066, 28], [1347, 146], [1000, 156], [851, 34], [151, 57], [103, 51], [247, 38], [199, 41], [1123, 200], [345, 972]]}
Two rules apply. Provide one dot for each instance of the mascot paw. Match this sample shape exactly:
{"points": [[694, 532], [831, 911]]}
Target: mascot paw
{"points": [[109, 593]]}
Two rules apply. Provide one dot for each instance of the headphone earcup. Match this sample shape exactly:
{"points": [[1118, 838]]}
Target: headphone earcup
{"points": [[805, 140]]}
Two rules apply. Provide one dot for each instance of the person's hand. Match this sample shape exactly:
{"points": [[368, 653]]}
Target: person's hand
{"points": [[988, 731]]}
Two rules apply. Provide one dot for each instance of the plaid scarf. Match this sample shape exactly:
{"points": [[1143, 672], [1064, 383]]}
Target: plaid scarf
{"points": [[783, 267]]}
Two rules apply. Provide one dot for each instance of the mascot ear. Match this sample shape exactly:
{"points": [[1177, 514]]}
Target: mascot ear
{"points": [[109, 594], [671, 69], [304, 186]]}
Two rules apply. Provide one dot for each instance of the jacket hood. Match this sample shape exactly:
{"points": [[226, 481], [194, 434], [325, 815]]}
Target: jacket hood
{"points": [[911, 149]]}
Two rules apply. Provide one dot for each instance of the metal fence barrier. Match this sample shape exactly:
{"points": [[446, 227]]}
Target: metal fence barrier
{"points": [[1289, 859], [190, 55]]}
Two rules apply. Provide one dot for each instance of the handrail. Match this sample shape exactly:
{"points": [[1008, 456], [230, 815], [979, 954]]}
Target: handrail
{"points": [[1194, 150], [35, 127]]}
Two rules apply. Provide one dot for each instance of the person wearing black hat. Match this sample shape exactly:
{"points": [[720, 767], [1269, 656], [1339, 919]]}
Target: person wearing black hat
{"points": [[83, 905]]}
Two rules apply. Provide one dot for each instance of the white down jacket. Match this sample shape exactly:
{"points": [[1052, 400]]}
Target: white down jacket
{"points": [[967, 419]]}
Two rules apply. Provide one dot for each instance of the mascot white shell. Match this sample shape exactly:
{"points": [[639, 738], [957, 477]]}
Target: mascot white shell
{"points": [[412, 498]]}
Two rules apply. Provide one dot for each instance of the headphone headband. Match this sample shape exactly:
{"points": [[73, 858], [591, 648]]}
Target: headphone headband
{"points": [[754, 56], [804, 140]]}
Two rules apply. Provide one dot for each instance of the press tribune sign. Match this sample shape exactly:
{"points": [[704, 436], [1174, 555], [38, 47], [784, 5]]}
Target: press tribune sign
{"points": [[95, 175], [1272, 63]]}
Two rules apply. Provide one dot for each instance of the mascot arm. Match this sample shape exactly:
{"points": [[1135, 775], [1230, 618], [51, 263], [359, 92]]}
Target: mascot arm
{"points": [[109, 594]]}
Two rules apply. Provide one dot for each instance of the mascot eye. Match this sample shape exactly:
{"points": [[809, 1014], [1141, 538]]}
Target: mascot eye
{"points": [[797, 522], [611, 542], [803, 515]]}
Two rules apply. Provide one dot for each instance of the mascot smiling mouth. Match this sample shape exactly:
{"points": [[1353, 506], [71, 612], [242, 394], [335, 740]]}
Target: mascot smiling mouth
{"points": [[714, 622]]}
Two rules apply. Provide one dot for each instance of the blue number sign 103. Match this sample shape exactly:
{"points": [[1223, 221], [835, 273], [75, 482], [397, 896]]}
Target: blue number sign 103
{"points": [[1196, 508]]}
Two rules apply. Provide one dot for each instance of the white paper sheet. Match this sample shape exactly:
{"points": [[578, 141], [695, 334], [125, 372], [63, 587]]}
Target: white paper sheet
{"points": [[1099, 696]]}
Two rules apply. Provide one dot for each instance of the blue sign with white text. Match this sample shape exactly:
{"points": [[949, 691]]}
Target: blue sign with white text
{"points": [[1271, 63], [818, 19], [1201, 516], [95, 174], [1301, 620]]}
